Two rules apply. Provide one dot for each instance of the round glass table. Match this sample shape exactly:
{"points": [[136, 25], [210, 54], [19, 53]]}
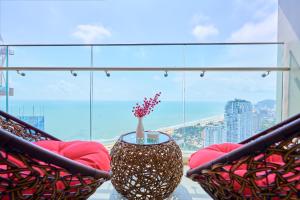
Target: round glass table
{"points": [[147, 168], [150, 138]]}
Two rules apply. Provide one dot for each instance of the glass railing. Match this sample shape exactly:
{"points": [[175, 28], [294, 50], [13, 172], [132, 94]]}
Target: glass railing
{"points": [[231, 94]]}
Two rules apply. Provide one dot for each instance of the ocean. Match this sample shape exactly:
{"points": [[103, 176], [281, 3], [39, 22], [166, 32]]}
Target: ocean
{"points": [[70, 120]]}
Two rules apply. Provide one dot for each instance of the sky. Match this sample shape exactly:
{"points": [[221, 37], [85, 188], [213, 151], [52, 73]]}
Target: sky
{"points": [[138, 21], [142, 21]]}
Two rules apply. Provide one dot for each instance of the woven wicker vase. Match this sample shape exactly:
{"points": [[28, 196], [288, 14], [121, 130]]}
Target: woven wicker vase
{"points": [[140, 129]]}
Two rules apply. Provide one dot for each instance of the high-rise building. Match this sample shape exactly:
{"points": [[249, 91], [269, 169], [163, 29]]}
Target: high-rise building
{"points": [[257, 122], [238, 120], [264, 115], [214, 133], [36, 121]]}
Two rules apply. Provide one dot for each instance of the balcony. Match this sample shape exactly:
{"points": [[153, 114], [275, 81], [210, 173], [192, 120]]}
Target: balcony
{"points": [[86, 92], [91, 85]]}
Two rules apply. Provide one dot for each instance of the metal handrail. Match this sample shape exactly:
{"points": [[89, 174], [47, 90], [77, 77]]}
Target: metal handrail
{"points": [[166, 69], [149, 44]]}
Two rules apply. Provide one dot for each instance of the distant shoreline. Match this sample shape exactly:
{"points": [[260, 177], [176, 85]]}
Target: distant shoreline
{"points": [[203, 121], [170, 129]]}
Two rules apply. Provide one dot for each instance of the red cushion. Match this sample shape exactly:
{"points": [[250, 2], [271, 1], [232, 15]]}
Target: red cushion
{"points": [[210, 153], [92, 154], [214, 151]]}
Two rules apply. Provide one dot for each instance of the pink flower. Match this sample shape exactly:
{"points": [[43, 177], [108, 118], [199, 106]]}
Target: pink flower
{"points": [[147, 107]]}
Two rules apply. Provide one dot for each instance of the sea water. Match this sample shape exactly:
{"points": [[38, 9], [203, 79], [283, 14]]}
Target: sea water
{"points": [[70, 120]]}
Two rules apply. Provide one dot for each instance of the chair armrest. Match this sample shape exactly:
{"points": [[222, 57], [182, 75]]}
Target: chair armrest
{"points": [[24, 130]]}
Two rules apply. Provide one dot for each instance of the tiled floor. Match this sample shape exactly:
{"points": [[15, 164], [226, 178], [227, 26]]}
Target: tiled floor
{"points": [[187, 190]]}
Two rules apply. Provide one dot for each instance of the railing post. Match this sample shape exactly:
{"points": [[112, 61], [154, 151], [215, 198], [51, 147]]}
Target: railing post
{"points": [[91, 90], [183, 85], [6, 81], [285, 82]]}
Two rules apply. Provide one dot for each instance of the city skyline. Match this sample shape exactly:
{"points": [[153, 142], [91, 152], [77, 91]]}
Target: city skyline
{"points": [[242, 119]]}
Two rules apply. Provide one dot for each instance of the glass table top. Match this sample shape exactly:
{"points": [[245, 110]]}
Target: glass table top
{"points": [[150, 137]]}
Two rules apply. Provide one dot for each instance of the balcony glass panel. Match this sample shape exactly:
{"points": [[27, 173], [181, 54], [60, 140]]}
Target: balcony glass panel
{"points": [[94, 106], [254, 55], [56, 102], [3, 89], [226, 55], [50, 56], [226, 107], [189, 55], [139, 56], [114, 98]]}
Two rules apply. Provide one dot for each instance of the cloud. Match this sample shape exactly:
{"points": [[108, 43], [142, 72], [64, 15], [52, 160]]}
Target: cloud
{"points": [[202, 32], [89, 33], [263, 30]]}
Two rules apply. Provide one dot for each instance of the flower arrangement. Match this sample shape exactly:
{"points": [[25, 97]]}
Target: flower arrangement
{"points": [[147, 107], [141, 111]]}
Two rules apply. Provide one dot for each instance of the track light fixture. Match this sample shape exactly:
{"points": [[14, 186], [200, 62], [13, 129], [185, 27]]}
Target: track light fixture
{"points": [[202, 74], [73, 73], [107, 73], [166, 74], [21, 73], [265, 74]]}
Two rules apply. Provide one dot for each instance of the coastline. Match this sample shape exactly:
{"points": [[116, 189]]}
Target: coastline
{"points": [[201, 122], [170, 129]]}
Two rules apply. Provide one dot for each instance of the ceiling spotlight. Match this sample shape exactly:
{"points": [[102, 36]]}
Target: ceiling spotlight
{"points": [[166, 74], [21, 73], [202, 74], [73, 73], [265, 74], [107, 73]]}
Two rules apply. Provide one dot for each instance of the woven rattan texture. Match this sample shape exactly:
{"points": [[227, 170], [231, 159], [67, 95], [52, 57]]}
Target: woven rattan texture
{"points": [[283, 182], [146, 171], [20, 130], [23, 177]]}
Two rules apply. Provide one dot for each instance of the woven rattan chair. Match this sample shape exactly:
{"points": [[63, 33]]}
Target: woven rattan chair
{"points": [[262, 178], [28, 171]]}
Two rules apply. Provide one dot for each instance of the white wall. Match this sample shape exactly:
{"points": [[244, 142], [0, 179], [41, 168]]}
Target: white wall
{"points": [[288, 20], [289, 32]]}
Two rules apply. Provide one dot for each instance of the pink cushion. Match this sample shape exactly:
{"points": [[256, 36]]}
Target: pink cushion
{"points": [[214, 151], [210, 153], [92, 154]]}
